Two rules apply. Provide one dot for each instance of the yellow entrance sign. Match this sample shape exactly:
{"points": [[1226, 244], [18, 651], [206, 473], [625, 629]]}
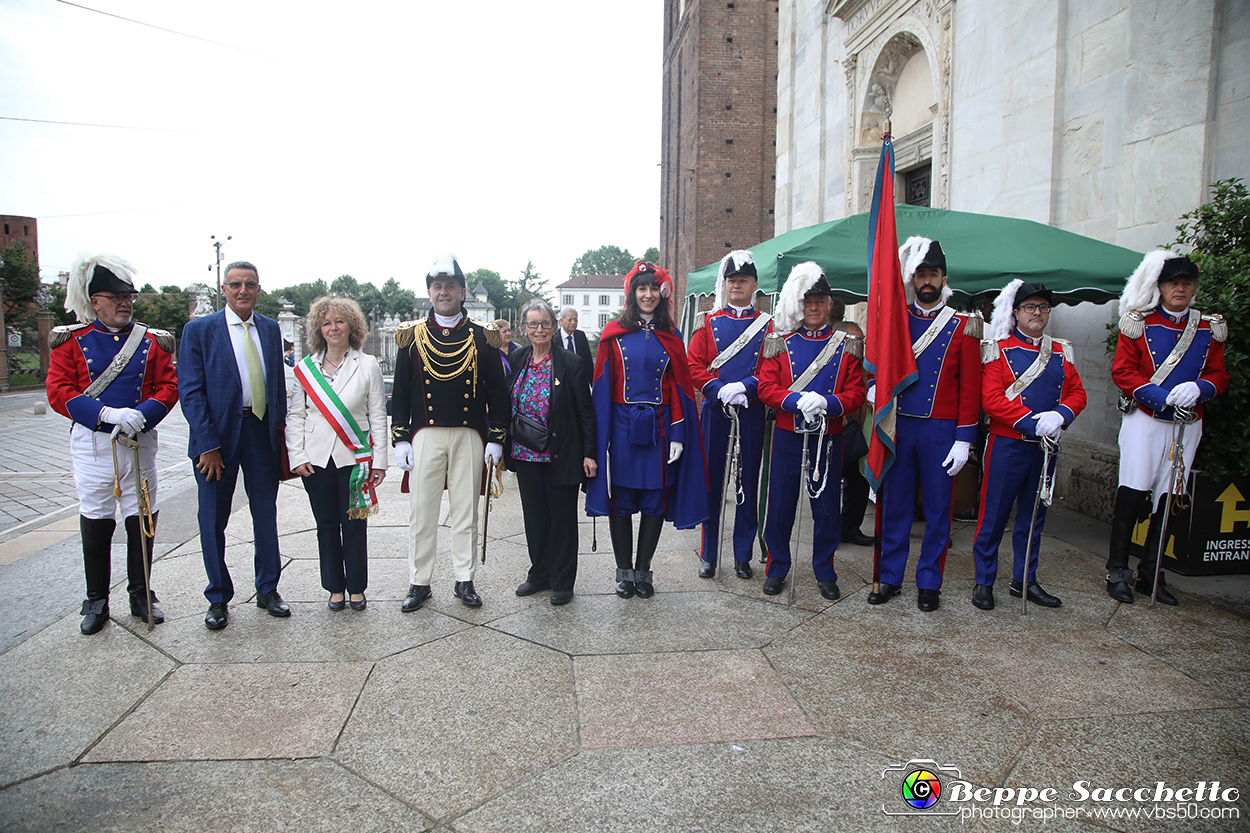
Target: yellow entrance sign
{"points": [[1231, 515]]}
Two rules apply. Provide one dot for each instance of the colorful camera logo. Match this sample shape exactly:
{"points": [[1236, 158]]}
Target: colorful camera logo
{"points": [[919, 782], [922, 789]]}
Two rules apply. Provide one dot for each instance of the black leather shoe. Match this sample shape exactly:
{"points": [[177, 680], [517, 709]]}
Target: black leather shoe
{"points": [[883, 594], [773, 585], [625, 583], [1036, 594], [1163, 596], [642, 584], [707, 569], [360, 605], [139, 607], [983, 596], [1120, 591], [528, 588], [218, 616], [273, 603], [561, 597], [742, 569], [466, 594], [417, 594], [829, 589], [94, 615], [857, 538], [927, 600], [337, 606]]}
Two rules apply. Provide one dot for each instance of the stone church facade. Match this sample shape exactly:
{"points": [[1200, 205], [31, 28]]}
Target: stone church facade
{"points": [[1109, 118]]}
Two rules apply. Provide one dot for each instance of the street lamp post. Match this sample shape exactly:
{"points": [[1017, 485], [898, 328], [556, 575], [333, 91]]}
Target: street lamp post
{"points": [[217, 244]]}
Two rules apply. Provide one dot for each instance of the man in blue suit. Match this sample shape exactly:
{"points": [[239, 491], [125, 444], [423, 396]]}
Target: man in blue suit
{"points": [[233, 392]]}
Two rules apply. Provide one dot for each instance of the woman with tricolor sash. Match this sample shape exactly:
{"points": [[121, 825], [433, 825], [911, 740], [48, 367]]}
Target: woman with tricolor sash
{"points": [[336, 440]]}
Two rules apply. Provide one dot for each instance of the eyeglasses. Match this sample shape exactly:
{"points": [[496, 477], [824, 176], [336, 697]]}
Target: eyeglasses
{"points": [[1040, 308], [539, 325], [235, 286], [117, 298]]}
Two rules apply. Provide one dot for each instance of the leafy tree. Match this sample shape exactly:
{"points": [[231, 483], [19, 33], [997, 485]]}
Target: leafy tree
{"points": [[497, 290], [168, 309], [396, 300], [651, 255], [529, 285], [1219, 233], [605, 260], [19, 281], [346, 286], [56, 303]]}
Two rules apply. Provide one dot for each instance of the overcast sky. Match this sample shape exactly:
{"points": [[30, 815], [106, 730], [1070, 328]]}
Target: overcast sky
{"points": [[356, 138]]}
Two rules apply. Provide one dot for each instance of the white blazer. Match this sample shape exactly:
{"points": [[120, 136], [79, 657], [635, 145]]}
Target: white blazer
{"points": [[311, 439]]}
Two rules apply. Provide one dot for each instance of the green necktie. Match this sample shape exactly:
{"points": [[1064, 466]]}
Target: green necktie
{"points": [[255, 373]]}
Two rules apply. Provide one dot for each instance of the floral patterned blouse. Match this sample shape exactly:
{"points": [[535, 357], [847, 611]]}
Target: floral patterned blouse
{"points": [[531, 395]]}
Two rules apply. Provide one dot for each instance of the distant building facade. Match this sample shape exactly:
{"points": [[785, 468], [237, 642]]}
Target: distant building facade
{"points": [[24, 230], [597, 298], [719, 130]]}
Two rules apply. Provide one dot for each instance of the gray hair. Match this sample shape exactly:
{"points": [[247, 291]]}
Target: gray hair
{"points": [[540, 305], [567, 310], [240, 264]]}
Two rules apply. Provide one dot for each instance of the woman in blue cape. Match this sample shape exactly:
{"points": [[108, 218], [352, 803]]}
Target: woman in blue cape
{"points": [[649, 446]]}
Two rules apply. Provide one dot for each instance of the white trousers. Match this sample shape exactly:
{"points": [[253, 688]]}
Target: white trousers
{"points": [[1145, 443], [452, 456], [92, 456]]}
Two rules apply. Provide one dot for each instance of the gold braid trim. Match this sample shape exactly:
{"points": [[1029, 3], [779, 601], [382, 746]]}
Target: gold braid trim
{"points": [[442, 364], [404, 335]]}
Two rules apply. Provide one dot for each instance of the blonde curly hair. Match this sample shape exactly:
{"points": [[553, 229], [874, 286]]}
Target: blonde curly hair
{"points": [[325, 305]]}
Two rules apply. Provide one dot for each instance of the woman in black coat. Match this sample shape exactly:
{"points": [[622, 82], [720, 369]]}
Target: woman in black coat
{"points": [[549, 388]]}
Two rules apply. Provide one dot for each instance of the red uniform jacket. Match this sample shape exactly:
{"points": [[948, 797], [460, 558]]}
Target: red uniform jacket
{"points": [[1137, 358], [1058, 388]]}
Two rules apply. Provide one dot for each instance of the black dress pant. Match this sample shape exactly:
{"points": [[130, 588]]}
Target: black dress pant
{"points": [[550, 513], [342, 542]]}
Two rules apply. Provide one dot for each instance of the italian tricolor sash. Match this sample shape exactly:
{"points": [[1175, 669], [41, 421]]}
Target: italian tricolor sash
{"points": [[363, 500]]}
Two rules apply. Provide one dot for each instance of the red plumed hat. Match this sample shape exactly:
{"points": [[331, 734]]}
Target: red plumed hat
{"points": [[644, 272]]}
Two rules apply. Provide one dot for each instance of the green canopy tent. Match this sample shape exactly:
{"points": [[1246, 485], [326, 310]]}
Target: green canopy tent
{"points": [[984, 252]]}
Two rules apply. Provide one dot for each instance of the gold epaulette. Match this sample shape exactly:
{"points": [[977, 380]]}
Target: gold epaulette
{"points": [[407, 333], [1219, 327], [164, 339], [1066, 346], [974, 324], [493, 338], [62, 334], [1133, 323], [774, 345], [989, 350], [853, 346]]}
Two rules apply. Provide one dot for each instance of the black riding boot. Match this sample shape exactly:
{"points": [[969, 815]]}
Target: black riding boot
{"points": [[649, 527], [134, 570], [622, 532], [1150, 555], [1119, 577], [97, 545]]}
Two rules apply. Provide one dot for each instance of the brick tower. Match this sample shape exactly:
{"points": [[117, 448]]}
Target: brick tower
{"points": [[719, 130]]}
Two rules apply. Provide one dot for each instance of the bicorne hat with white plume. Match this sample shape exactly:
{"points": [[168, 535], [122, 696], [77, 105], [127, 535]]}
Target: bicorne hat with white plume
{"points": [[1008, 301], [737, 262], [97, 273], [445, 266], [805, 279], [917, 252]]}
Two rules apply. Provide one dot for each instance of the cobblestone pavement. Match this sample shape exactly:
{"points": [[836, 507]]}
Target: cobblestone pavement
{"points": [[36, 479]]}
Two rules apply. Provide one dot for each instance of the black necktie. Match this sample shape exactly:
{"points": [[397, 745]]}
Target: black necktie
{"points": [[570, 342]]}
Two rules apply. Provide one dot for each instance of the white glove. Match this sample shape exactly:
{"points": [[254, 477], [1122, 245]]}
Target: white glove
{"points": [[494, 453], [733, 393], [674, 451], [1185, 394], [129, 420], [872, 393], [1049, 424], [957, 458], [812, 404], [403, 456]]}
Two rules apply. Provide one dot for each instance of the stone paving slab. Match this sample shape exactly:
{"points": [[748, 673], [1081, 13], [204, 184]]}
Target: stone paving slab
{"points": [[904, 695], [661, 698], [671, 622], [795, 785], [60, 691], [446, 725], [191, 797], [238, 711], [1082, 674]]}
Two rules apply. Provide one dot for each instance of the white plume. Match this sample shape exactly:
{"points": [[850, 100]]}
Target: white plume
{"points": [[1142, 290], [729, 264], [789, 312], [1004, 317], [77, 300]]}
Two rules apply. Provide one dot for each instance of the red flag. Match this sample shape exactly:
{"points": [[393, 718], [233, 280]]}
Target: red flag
{"points": [[887, 349]]}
